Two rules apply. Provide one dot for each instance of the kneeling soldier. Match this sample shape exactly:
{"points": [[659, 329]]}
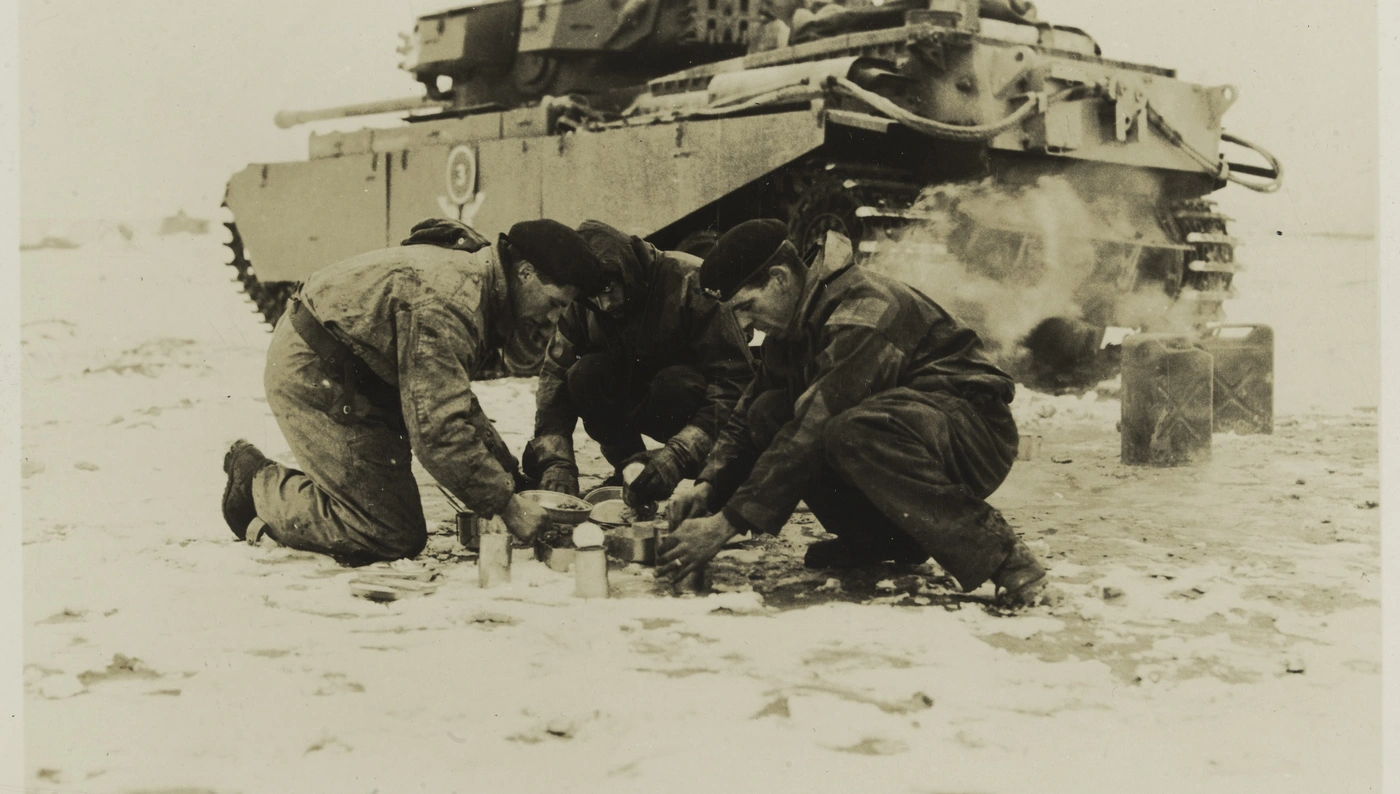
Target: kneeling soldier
{"points": [[649, 355], [373, 362], [873, 405]]}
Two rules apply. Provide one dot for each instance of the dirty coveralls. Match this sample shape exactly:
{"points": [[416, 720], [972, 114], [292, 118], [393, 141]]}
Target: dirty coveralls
{"points": [[880, 411], [671, 368], [422, 318]]}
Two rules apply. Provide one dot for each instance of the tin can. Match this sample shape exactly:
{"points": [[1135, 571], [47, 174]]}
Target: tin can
{"points": [[493, 559], [468, 530], [1028, 448], [692, 584], [591, 573]]}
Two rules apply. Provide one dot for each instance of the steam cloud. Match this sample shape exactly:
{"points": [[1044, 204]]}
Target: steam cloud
{"points": [[1004, 292]]}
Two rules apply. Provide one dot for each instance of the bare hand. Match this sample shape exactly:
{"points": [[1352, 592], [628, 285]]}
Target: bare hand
{"points": [[692, 545], [693, 502], [524, 518]]}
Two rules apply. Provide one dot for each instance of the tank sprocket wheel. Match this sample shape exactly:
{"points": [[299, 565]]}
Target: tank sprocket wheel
{"points": [[826, 206], [270, 298]]}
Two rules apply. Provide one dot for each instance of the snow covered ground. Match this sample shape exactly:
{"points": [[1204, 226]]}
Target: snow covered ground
{"points": [[1218, 628]]}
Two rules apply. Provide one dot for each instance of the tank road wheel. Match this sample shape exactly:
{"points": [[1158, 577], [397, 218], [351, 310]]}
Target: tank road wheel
{"points": [[271, 297], [826, 207]]}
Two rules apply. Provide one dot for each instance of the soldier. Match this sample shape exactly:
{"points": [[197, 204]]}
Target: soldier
{"points": [[873, 405], [373, 361], [649, 355]]}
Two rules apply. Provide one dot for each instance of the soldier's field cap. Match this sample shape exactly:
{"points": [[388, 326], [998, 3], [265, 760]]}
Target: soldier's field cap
{"points": [[558, 253], [740, 254]]}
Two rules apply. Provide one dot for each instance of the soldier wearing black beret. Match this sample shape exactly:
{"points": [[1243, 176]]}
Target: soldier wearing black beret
{"points": [[649, 354], [372, 366], [871, 404]]}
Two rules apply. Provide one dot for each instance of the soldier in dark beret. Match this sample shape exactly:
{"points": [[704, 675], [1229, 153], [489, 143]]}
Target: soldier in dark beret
{"points": [[871, 404], [649, 354], [372, 365]]}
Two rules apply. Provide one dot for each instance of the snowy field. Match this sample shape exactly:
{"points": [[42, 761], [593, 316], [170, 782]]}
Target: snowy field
{"points": [[1216, 628]]}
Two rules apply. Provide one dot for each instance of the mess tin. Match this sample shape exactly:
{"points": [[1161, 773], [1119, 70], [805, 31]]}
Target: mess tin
{"points": [[562, 508]]}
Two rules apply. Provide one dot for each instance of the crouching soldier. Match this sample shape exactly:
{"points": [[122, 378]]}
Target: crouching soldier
{"points": [[873, 405], [373, 363], [649, 355]]}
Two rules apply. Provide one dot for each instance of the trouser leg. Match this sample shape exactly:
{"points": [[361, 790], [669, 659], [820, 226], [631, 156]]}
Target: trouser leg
{"points": [[842, 508], [355, 497], [927, 461], [673, 396], [598, 389], [617, 418]]}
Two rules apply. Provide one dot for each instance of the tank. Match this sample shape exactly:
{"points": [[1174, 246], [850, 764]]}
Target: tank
{"points": [[955, 142]]}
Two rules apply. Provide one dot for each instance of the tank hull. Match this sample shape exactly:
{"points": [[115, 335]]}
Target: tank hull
{"points": [[859, 133]]}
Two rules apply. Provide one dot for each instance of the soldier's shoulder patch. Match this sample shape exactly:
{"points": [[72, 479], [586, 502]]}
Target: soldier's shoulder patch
{"points": [[859, 311]]}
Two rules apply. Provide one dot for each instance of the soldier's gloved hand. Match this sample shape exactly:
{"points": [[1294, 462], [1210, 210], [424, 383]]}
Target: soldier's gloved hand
{"points": [[446, 233], [560, 477], [664, 469]]}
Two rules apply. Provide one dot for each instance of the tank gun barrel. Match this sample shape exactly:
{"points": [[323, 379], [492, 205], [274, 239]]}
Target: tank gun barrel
{"points": [[290, 118]]}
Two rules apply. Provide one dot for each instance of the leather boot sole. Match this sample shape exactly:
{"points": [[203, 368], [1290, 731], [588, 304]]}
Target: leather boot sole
{"points": [[241, 462]]}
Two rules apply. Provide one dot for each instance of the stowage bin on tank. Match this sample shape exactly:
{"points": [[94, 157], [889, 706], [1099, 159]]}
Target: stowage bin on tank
{"points": [[675, 120]]}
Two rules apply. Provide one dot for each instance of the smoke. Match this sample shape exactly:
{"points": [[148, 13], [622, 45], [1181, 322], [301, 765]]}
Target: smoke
{"points": [[1004, 260]]}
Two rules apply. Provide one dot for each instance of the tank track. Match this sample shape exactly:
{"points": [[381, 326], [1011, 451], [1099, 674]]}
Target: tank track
{"points": [[270, 298], [1208, 273]]}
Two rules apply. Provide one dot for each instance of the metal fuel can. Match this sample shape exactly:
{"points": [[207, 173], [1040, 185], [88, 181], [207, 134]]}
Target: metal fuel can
{"points": [[1243, 387], [1166, 402]]}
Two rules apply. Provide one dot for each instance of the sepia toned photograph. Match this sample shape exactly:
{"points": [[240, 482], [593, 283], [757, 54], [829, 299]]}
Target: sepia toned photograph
{"points": [[927, 396]]}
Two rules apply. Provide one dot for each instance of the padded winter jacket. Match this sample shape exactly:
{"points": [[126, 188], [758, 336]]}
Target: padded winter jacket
{"points": [[855, 333], [426, 319]]}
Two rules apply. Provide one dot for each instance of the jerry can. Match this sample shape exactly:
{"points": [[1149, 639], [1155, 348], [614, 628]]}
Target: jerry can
{"points": [[1243, 391], [1167, 400]]}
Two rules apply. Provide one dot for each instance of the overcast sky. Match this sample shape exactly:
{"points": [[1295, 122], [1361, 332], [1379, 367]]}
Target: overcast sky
{"points": [[140, 107]]}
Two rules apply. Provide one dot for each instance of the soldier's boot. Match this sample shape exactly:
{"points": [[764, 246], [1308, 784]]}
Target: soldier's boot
{"points": [[850, 551], [1021, 580], [241, 462]]}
